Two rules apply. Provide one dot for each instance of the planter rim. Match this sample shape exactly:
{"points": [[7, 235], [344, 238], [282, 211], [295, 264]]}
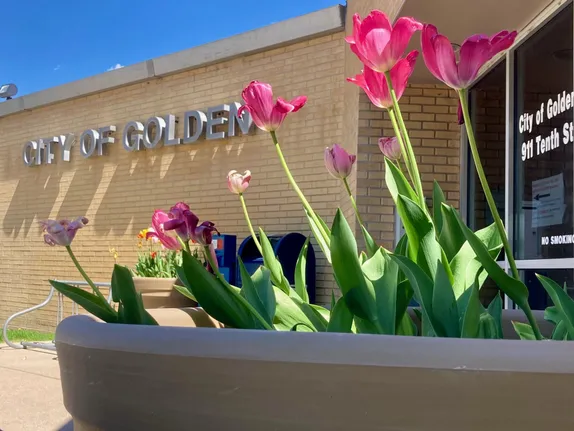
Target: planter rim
{"points": [[327, 348]]}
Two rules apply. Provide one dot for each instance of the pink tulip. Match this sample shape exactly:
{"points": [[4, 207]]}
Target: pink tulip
{"points": [[439, 57], [238, 183], [375, 83], [377, 43], [62, 232], [158, 220], [338, 162], [390, 148], [266, 114], [185, 223]]}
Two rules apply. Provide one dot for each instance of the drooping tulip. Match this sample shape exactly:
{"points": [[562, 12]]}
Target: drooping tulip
{"points": [[390, 148], [475, 51], [238, 183], [182, 220], [185, 223], [338, 162], [158, 220], [62, 232], [377, 43], [267, 114], [375, 84]]}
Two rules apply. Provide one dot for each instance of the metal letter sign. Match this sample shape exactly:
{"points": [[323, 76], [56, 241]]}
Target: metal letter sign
{"points": [[219, 122]]}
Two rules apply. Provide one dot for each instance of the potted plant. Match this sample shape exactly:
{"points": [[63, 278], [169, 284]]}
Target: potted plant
{"points": [[282, 363]]}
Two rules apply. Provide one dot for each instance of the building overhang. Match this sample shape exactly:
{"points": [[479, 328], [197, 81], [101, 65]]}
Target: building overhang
{"points": [[458, 19]]}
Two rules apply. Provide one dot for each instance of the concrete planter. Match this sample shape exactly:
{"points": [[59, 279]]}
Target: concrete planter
{"points": [[123, 377], [159, 293]]}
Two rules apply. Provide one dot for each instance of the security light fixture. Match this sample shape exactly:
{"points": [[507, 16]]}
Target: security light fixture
{"points": [[7, 91]]}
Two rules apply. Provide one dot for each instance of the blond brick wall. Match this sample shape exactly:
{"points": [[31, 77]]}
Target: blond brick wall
{"points": [[430, 115], [119, 191]]}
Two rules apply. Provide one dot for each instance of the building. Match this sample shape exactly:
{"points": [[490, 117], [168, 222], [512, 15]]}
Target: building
{"points": [[529, 163]]}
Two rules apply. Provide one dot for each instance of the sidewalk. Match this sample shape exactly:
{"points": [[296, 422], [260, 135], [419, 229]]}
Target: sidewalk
{"points": [[30, 391]]}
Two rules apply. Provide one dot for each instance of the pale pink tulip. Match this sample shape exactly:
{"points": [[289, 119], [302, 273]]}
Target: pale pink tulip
{"points": [[390, 148], [338, 162], [375, 84], [238, 183], [439, 57], [267, 114], [62, 232], [157, 221], [377, 43]]}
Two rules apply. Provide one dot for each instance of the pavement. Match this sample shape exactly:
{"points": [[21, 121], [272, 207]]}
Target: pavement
{"points": [[30, 391]]}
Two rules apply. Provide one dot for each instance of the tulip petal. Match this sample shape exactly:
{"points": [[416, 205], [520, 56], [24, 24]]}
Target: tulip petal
{"points": [[298, 102], [446, 61], [401, 73], [403, 31], [473, 54], [502, 41], [376, 20], [429, 54]]}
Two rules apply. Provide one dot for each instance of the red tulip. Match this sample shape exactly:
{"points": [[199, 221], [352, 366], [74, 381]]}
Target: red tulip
{"points": [[238, 183], [158, 220], [375, 83], [62, 232], [439, 57], [377, 43], [266, 114], [338, 162], [390, 148]]}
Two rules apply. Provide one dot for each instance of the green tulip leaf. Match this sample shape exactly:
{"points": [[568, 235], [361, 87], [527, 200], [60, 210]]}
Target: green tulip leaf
{"points": [[552, 314], [288, 313], [91, 303], [219, 300], [406, 326], [341, 318], [563, 303], [487, 328], [370, 243], [272, 263], [495, 310], [404, 297], [258, 291], [185, 292], [323, 244], [444, 306], [382, 272], [422, 286], [123, 288], [300, 273], [470, 309], [560, 332], [294, 328], [423, 246], [524, 331], [397, 182], [438, 200], [513, 288], [358, 291], [451, 237]]}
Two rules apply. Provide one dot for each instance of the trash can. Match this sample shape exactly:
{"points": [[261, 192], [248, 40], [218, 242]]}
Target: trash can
{"points": [[287, 248], [225, 246]]}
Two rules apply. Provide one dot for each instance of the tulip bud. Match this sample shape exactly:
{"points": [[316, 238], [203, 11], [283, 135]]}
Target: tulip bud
{"points": [[390, 148], [338, 162], [238, 183]]}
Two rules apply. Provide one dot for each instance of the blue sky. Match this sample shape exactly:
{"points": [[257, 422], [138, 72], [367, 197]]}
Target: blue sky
{"points": [[48, 43]]}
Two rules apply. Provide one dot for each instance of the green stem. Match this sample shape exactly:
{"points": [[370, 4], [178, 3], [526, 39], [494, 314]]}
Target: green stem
{"points": [[414, 170], [240, 298], [491, 204], [248, 220], [305, 202], [187, 246], [86, 277], [353, 201], [401, 141]]}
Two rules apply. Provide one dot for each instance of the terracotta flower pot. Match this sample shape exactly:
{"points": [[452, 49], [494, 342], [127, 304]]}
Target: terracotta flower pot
{"points": [[125, 377], [159, 293]]}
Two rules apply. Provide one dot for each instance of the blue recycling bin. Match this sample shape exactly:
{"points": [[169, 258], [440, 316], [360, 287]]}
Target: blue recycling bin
{"points": [[225, 246], [287, 248]]}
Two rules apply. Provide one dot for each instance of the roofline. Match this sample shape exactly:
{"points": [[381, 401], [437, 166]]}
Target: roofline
{"points": [[319, 23]]}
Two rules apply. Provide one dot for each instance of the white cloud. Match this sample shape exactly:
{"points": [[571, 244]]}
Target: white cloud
{"points": [[117, 66], [57, 67]]}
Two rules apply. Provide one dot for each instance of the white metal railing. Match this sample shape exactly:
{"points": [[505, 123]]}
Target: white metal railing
{"points": [[59, 316]]}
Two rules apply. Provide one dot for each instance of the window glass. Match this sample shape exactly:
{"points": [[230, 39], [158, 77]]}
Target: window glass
{"points": [[543, 155], [538, 298]]}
